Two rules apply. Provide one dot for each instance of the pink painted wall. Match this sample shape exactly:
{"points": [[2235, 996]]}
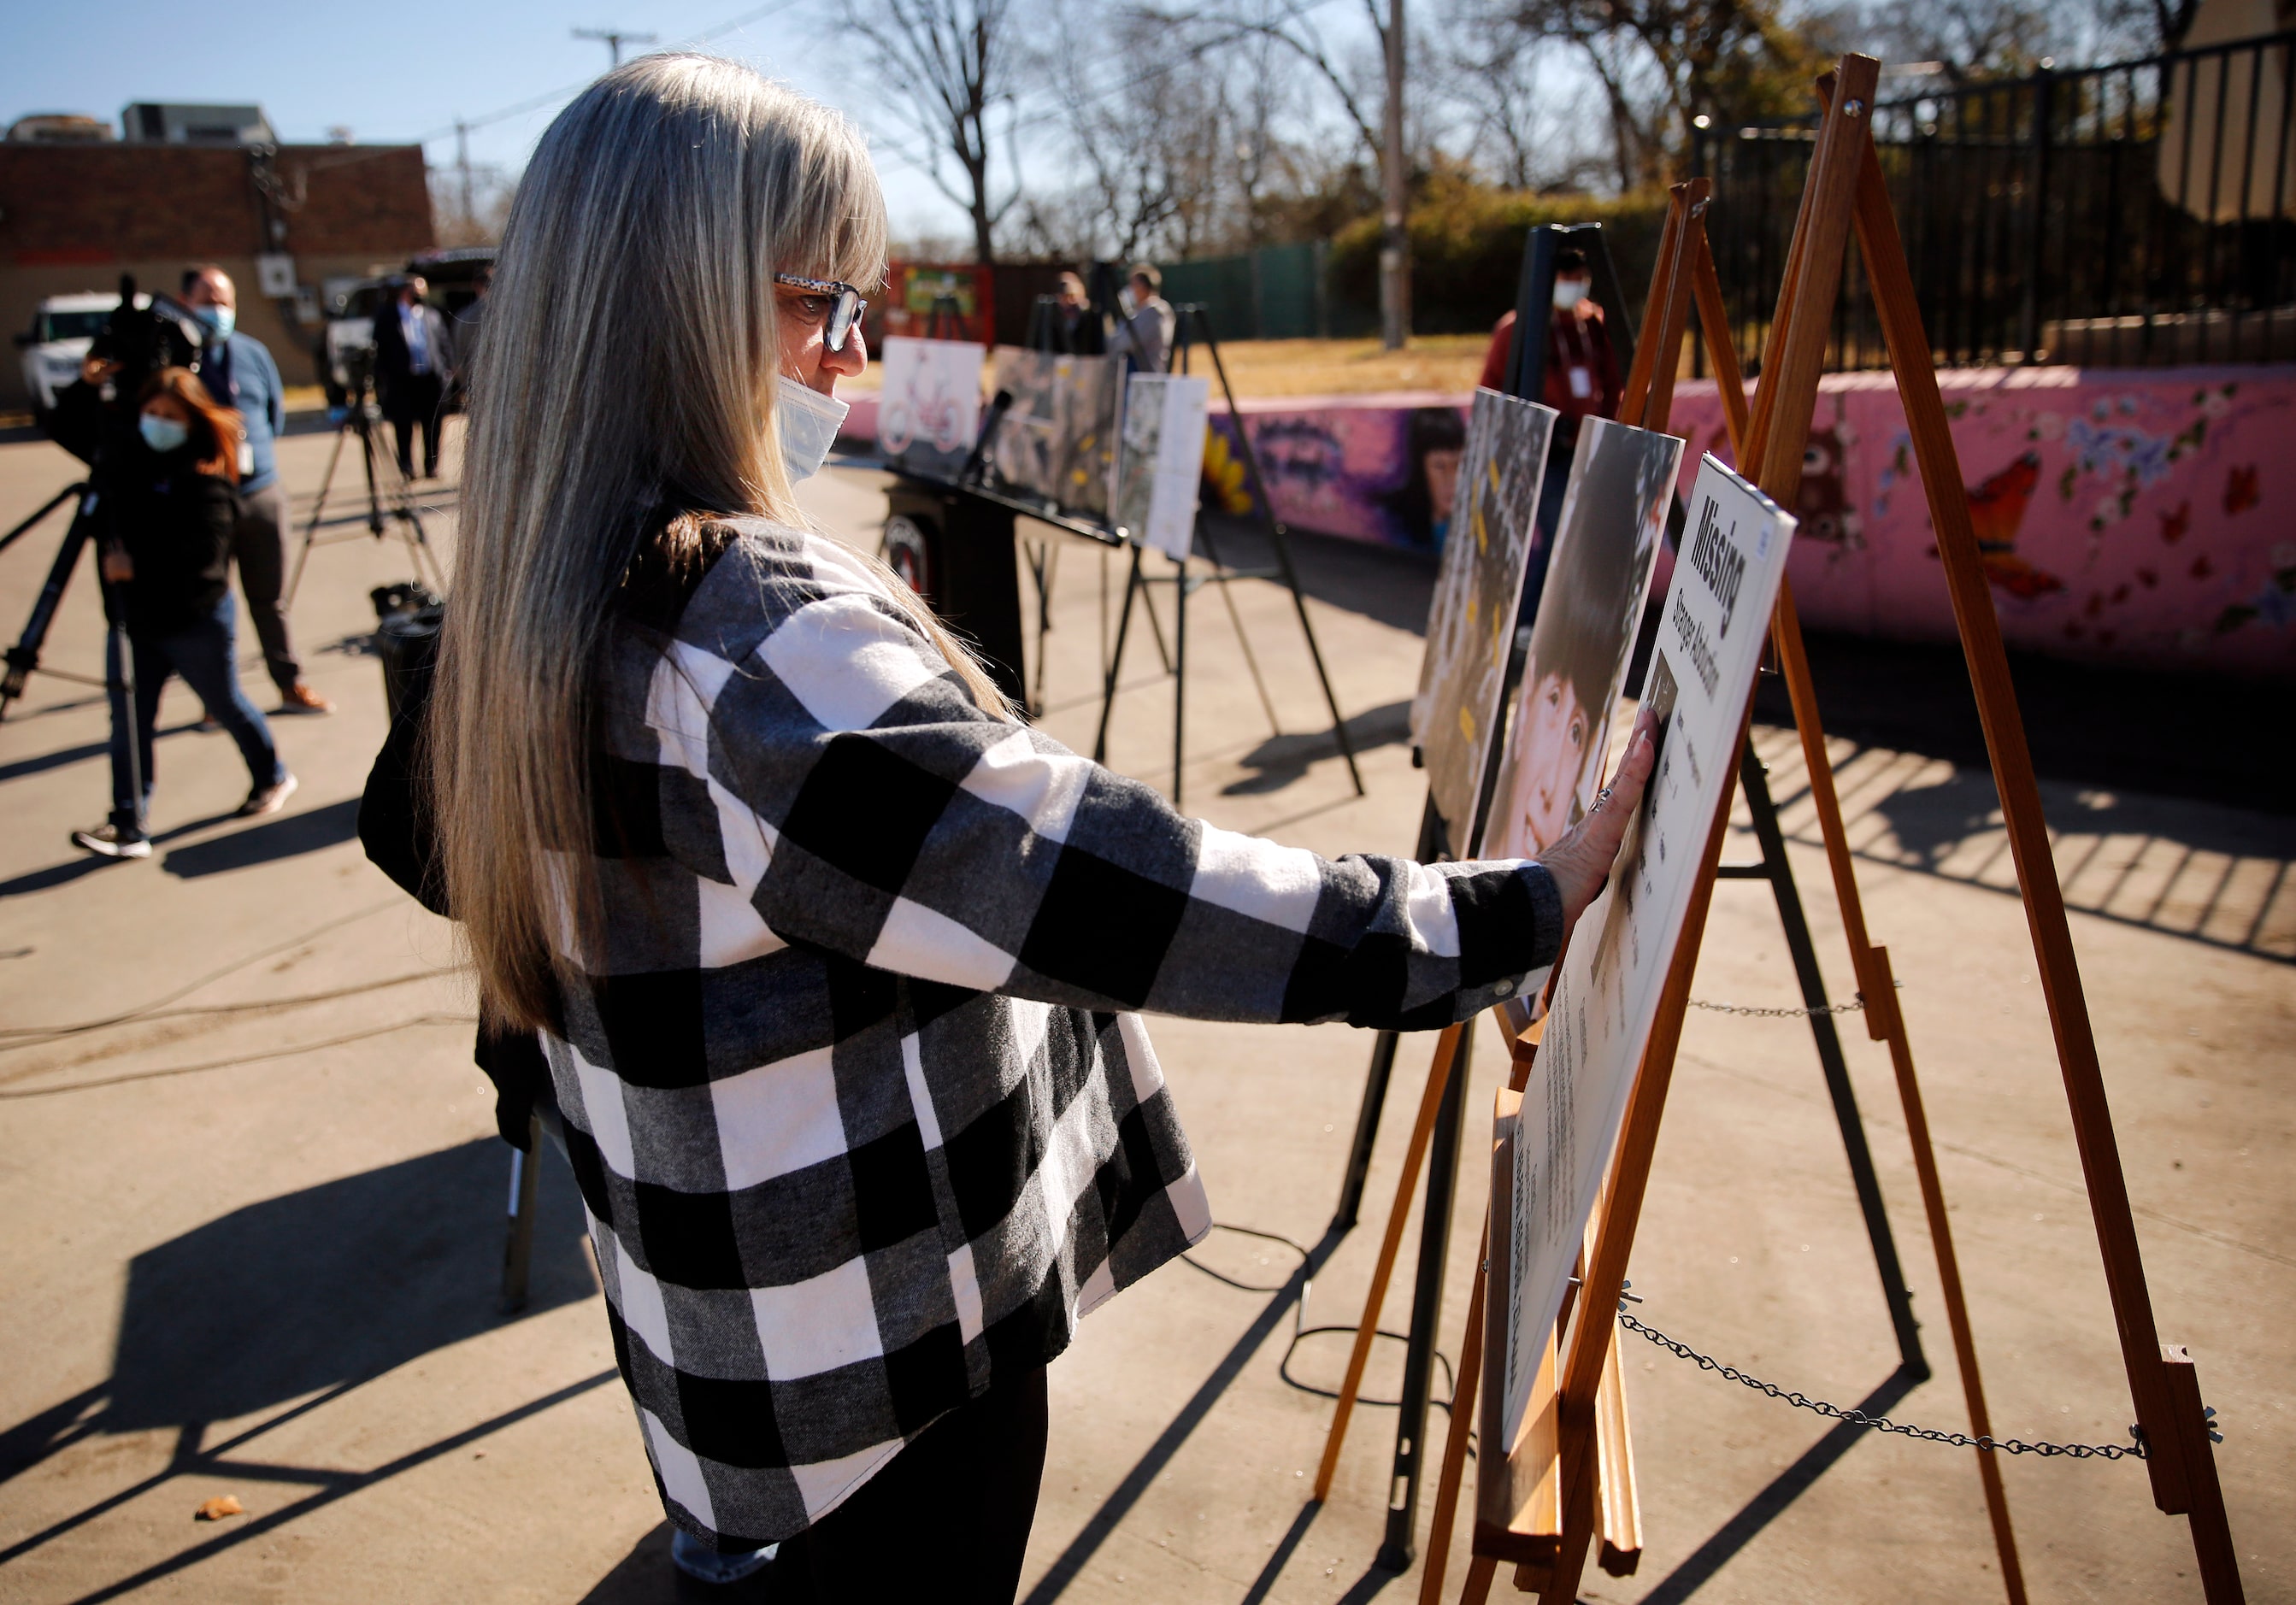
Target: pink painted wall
{"points": [[2138, 515], [2144, 516]]}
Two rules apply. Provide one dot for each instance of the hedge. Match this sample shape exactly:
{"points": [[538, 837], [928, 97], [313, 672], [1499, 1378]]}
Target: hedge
{"points": [[1466, 250]]}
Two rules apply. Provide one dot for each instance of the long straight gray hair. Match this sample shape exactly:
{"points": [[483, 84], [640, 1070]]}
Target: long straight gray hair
{"points": [[626, 381]]}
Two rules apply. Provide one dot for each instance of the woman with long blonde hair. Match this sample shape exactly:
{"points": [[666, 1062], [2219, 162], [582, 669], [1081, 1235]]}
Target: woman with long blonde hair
{"points": [[835, 961]]}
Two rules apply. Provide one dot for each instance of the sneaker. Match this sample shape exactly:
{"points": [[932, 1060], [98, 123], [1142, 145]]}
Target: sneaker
{"points": [[268, 800], [299, 698], [106, 842], [703, 1564]]}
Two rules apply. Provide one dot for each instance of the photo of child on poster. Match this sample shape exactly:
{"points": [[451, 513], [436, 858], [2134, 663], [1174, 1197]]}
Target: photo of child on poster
{"points": [[1471, 623], [1606, 541]]}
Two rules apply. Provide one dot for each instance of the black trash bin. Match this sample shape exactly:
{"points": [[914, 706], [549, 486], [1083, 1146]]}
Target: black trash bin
{"points": [[408, 645]]}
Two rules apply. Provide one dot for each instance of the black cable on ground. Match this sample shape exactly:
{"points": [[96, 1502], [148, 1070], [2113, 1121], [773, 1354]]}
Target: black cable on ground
{"points": [[1300, 1329]]}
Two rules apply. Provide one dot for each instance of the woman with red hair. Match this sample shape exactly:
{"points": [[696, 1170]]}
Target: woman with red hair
{"points": [[168, 519]]}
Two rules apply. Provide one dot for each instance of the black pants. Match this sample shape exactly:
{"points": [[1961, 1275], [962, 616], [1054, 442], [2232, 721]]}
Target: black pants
{"points": [[259, 545], [415, 401], [947, 1521]]}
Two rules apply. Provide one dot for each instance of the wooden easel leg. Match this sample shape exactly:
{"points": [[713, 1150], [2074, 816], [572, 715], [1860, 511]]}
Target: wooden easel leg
{"points": [[1439, 1078], [1479, 1573], [1455, 1441], [2169, 1437]]}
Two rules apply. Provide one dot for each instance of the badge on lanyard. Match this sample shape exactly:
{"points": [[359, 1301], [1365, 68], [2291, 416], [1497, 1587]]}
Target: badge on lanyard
{"points": [[1582, 383]]}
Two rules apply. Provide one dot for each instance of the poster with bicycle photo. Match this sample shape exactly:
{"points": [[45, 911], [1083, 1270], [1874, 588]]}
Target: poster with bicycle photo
{"points": [[929, 407]]}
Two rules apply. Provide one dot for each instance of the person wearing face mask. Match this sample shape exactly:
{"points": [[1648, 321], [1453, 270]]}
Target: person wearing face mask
{"points": [[166, 549], [1144, 335], [836, 965], [1582, 376], [239, 373]]}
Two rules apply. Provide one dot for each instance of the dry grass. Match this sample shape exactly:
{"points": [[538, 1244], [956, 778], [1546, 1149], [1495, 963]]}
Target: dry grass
{"points": [[1449, 362], [1351, 367]]}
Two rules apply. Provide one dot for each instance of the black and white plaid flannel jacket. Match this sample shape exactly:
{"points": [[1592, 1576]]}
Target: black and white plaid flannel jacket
{"points": [[855, 1092]]}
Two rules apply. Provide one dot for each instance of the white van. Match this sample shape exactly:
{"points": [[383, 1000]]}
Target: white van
{"points": [[58, 340]]}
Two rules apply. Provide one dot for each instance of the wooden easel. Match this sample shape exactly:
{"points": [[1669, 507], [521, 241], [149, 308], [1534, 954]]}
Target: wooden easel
{"points": [[1543, 1500], [1684, 264]]}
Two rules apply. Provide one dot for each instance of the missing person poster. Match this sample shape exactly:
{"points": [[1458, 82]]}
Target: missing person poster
{"points": [[928, 409], [1471, 624], [1161, 469], [1715, 617]]}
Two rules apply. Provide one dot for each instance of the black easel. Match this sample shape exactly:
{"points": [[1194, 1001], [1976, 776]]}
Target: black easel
{"points": [[1192, 325], [1526, 378]]}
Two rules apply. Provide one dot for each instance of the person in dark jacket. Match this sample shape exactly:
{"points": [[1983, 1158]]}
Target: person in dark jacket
{"points": [[167, 524], [238, 372], [412, 355]]}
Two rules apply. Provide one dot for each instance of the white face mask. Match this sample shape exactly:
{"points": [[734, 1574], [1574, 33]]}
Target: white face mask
{"points": [[808, 422], [1569, 293]]}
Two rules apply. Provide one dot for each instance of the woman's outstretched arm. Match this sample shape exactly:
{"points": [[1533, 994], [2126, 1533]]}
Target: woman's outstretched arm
{"points": [[899, 825]]}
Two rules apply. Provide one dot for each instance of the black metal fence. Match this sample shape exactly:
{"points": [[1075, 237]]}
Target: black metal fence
{"points": [[2140, 214]]}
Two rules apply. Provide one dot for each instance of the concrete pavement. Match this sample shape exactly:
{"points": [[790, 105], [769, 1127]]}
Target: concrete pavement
{"points": [[257, 1226]]}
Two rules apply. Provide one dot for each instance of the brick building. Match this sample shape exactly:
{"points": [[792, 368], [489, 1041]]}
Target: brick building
{"points": [[75, 216]]}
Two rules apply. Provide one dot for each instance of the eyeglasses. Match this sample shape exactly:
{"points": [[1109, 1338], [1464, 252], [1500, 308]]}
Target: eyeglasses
{"points": [[843, 314]]}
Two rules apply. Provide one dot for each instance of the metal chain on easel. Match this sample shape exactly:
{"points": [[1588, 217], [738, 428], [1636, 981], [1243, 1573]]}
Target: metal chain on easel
{"points": [[1754, 1011], [1881, 1423]]}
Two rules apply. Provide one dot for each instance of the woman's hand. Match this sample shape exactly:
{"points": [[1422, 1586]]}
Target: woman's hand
{"points": [[1580, 863]]}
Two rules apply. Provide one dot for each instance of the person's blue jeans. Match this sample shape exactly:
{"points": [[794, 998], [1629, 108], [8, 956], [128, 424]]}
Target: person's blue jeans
{"points": [[201, 652]]}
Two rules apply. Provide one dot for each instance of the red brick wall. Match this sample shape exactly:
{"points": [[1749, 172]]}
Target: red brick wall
{"points": [[95, 204]]}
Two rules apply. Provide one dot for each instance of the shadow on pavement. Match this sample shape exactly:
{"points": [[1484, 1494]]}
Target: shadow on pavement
{"points": [[286, 838], [43, 761], [1279, 760], [327, 1287]]}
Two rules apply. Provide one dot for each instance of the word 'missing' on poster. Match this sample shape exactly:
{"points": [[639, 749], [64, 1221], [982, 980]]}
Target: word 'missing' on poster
{"points": [[1709, 644], [1161, 467], [1471, 624], [928, 409]]}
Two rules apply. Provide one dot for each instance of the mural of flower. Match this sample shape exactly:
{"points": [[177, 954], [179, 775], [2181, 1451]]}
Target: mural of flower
{"points": [[1224, 479]]}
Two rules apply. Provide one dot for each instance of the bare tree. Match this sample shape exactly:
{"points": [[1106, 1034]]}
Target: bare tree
{"points": [[949, 68]]}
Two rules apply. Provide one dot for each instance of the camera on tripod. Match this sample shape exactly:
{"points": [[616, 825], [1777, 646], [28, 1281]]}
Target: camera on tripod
{"points": [[137, 341]]}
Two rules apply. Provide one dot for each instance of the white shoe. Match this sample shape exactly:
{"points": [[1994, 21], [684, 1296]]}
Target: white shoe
{"points": [[268, 800], [104, 841]]}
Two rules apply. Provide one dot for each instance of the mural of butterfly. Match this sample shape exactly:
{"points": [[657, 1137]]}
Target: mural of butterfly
{"points": [[1996, 509]]}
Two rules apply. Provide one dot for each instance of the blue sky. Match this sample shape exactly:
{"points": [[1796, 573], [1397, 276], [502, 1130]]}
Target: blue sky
{"points": [[395, 73]]}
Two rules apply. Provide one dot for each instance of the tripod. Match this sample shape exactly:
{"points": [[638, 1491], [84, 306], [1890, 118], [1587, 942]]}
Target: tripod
{"points": [[384, 483]]}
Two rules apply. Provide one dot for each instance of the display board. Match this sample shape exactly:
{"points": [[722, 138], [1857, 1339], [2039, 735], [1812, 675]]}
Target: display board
{"points": [[1162, 467], [1057, 442], [1471, 623], [1606, 541], [928, 410], [1702, 676]]}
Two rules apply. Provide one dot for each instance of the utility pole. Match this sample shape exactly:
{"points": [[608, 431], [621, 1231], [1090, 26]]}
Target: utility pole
{"points": [[614, 38], [1395, 187], [463, 170]]}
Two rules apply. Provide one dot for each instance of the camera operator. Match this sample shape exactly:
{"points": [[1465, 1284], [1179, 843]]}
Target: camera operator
{"points": [[168, 511], [240, 374], [411, 355]]}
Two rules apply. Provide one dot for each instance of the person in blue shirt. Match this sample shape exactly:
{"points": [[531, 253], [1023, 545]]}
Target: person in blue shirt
{"points": [[240, 374]]}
